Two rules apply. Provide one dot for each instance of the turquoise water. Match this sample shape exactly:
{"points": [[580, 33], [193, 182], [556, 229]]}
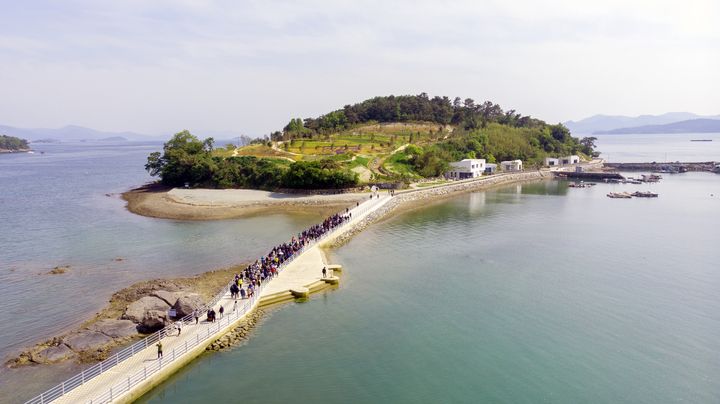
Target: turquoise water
{"points": [[525, 294], [56, 211], [532, 293]]}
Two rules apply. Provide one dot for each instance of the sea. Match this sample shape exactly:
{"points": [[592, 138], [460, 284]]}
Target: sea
{"points": [[529, 293]]}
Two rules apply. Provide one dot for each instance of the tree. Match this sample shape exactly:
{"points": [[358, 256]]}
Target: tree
{"points": [[184, 159], [588, 144]]}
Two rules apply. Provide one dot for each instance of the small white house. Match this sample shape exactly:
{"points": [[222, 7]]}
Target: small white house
{"points": [[512, 165], [552, 161], [490, 168], [466, 168], [570, 160]]}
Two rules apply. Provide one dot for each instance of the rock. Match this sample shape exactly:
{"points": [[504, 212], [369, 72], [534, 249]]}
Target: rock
{"points": [[169, 297], [85, 340], [116, 328], [53, 354], [137, 309], [153, 321], [185, 305]]}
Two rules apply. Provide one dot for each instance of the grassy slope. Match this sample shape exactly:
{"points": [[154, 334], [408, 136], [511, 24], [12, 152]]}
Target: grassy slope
{"points": [[369, 147]]}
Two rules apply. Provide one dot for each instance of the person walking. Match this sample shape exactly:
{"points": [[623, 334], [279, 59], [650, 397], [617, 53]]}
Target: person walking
{"points": [[178, 325], [222, 310], [324, 272], [159, 348], [196, 313], [235, 306]]}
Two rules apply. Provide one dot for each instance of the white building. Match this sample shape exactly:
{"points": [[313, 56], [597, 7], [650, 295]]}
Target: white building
{"points": [[512, 165], [552, 161], [490, 168], [570, 160], [466, 168]]}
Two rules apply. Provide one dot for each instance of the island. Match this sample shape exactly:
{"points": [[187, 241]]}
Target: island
{"points": [[687, 126], [383, 140], [10, 144]]}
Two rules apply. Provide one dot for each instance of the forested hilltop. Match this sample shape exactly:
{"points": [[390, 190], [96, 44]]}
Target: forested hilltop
{"points": [[10, 143], [383, 139]]}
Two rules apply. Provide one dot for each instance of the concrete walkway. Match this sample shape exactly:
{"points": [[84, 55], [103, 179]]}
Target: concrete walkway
{"points": [[131, 378]]}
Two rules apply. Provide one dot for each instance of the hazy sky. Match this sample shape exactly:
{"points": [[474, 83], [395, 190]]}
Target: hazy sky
{"points": [[157, 66]]}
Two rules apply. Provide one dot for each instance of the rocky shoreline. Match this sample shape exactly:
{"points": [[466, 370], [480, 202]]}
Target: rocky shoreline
{"points": [[142, 307], [238, 335], [130, 314]]}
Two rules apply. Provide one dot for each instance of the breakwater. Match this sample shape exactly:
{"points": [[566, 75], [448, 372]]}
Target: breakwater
{"points": [[583, 175], [438, 191], [709, 166]]}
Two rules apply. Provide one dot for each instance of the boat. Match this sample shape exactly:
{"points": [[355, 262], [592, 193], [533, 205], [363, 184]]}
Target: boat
{"points": [[619, 195], [651, 178], [646, 194], [701, 140]]}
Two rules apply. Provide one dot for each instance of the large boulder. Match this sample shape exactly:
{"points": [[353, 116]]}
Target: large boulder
{"points": [[153, 321], [136, 310], [185, 305], [53, 354], [86, 340], [115, 328], [169, 297]]}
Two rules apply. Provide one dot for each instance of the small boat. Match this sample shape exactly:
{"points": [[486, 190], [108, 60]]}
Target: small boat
{"points": [[30, 152], [701, 140], [651, 178], [579, 185], [619, 195], [646, 194]]}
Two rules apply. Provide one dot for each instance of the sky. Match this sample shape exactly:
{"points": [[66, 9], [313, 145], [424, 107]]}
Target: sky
{"points": [[160, 66]]}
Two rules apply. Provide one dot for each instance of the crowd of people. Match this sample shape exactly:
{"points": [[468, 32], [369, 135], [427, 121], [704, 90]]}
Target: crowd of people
{"points": [[246, 283]]}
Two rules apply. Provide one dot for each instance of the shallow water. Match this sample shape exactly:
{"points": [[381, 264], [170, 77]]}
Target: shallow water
{"points": [[529, 293], [55, 211], [532, 293]]}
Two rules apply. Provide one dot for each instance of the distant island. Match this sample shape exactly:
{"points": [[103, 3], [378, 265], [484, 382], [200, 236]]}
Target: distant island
{"points": [[688, 126], [390, 139], [72, 133], [604, 123], [10, 144]]}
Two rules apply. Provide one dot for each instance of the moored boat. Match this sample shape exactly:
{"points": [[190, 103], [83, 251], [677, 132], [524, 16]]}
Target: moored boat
{"points": [[646, 194]]}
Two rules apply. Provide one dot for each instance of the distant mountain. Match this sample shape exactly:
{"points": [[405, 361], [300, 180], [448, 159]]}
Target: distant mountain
{"points": [[689, 126], [599, 123], [72, 132]]}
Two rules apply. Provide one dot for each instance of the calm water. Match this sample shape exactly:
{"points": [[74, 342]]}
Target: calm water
{"points": [[55, 211], [525, 294], [659, 147], [532, 293]]}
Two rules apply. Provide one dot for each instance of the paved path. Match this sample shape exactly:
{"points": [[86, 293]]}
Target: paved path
{"points": [[127, 379]]}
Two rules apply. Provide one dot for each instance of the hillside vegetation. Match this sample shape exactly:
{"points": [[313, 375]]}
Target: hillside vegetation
{"points": [[10, 143], [384, 139]]}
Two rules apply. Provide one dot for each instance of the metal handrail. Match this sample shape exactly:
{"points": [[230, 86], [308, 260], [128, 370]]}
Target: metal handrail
{"points": [[126, 353]]}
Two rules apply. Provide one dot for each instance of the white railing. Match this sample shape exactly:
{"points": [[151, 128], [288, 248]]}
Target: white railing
{"points": [[212, 328]]}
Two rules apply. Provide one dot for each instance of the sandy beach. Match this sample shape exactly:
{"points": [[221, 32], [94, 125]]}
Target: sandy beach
{"points": [[217, 204]]}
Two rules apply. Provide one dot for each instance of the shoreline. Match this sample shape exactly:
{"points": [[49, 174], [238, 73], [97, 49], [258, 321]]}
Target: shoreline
{"points": [[162, 202], [410, 199]]}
